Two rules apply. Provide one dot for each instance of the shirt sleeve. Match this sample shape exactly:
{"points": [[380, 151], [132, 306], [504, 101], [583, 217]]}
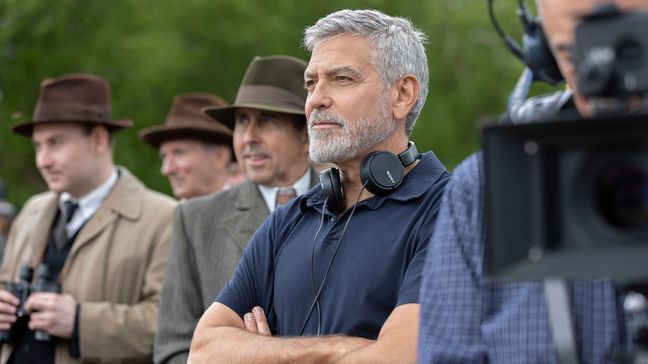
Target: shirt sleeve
{"points": [[451, 301]]}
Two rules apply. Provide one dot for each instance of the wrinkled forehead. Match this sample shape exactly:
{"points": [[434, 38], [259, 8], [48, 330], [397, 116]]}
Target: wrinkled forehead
{"points": [[348, 51]]}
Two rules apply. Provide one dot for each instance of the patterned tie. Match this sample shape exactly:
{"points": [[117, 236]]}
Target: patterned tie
{"points": [[285, 194]]}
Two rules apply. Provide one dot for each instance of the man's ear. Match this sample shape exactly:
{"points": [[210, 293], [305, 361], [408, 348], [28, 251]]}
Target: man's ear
{"points": [[101, 139], [405, 93]]}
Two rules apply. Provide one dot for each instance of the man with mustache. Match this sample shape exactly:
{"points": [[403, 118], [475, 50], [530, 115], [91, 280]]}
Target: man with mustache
{"points": [[210, 232], [341, 264]]}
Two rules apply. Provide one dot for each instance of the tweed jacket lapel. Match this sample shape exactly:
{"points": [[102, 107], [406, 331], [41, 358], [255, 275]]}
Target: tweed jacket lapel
{"points": [[250, 211], [247, 215]]}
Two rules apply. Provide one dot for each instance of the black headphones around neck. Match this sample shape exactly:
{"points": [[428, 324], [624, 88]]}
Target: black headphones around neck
{"points": [[535, 52], [380, 172]]}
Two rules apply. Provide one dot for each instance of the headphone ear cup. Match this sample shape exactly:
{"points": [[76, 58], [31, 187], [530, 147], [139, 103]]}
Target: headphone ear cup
{"points": [[538, 56], [381, 172], [332, 188]]}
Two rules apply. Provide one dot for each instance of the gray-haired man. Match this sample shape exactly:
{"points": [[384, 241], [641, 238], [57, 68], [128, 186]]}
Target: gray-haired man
{"points": [[343, 261]]}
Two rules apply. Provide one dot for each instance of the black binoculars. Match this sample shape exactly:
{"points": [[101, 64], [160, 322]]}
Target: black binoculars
{"points": [[22, 289]]}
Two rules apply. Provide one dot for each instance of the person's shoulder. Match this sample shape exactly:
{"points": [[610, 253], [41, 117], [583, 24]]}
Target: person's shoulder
{"points": [[430, 170], [159, 198], [470, 169], [129, 184], [39, 201], [217, 200], [468, 176]]}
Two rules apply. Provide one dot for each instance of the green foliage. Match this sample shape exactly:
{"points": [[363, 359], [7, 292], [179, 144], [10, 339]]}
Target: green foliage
{"points": [[152, 50]]}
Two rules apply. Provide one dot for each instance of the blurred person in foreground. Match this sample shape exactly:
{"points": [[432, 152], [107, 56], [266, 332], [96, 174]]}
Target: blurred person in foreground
{"points": [[210, 233], [465, 318], [341, 265], [98, 235], [196, 151]]}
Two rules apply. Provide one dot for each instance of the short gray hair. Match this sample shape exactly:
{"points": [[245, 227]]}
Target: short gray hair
{"points": [[398, 47]]}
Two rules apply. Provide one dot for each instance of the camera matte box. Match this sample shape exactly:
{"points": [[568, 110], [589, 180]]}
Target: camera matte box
{"points": [[547, 208]]}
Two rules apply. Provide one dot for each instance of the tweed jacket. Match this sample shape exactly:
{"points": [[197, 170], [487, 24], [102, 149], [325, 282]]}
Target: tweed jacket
{"points": [[114, 270], [209, 236]]}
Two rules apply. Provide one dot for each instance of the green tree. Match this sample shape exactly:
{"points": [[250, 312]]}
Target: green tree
{"points": [[152, 50]]}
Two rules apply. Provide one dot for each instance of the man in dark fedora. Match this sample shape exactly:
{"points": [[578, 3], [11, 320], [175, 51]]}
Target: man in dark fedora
{"points": [[101, 234], [196, 151], [210, 233]]}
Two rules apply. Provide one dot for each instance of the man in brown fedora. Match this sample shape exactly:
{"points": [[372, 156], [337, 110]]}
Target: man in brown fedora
{"points": [[98, 240], [210, 233], [196, 151]]}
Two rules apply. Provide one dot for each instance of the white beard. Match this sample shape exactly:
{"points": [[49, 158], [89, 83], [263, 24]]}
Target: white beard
{"points": [[343, 143]]}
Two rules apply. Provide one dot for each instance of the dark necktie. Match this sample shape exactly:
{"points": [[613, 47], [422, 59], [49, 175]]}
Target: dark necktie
{"points": [[285, 194], [65, 216], [70, 209]]}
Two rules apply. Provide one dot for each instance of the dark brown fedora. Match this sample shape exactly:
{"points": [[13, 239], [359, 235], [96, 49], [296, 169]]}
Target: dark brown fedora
{"points": [[80, 98], [273, 83], [187, 121]]}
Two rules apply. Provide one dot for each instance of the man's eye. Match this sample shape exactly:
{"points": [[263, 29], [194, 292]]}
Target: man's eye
{"points": [[309, 84], [268, 119]]}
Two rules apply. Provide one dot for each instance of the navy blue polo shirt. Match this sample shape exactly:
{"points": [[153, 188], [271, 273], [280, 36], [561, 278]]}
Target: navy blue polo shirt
{"points": [[377, 267]]}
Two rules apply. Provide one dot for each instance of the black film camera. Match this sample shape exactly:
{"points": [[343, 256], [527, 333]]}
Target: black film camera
{"points": [[22, 289], [569, 198]]}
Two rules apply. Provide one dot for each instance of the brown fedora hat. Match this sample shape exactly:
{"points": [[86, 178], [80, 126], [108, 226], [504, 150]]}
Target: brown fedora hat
{"points": [[273, 83], [187, 121], [81, 98]]}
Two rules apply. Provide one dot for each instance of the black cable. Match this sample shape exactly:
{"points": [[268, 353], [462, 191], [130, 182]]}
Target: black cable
{"points": [[319, 312], [328, 269], [510, 43]]}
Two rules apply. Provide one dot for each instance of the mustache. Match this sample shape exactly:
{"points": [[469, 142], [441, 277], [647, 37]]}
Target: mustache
{"points": [[253, 149], [318, 115]]}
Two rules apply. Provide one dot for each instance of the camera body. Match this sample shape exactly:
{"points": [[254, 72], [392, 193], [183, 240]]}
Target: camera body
{"points": [[22, 289], [568, 198], [610, 53]]}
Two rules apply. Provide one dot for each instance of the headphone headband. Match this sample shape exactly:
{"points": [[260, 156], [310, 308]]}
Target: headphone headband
{"points": [[410, 155]]}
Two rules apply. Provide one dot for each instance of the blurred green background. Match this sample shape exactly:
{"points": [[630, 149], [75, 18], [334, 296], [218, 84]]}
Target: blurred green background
{"points": [[151, 50]]}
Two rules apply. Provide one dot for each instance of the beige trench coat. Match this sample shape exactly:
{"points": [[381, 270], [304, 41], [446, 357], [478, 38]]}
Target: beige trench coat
{"points": [[114, 269]]}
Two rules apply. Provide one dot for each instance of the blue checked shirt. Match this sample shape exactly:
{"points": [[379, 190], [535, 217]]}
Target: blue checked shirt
{"points": [[465, 319]]}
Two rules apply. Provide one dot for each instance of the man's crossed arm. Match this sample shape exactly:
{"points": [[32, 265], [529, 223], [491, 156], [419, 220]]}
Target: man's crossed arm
{"points": [[222, 336]]}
